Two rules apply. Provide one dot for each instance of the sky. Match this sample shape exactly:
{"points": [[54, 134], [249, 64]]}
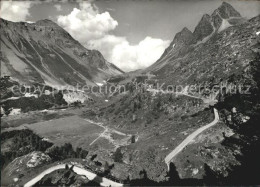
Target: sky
{"points": [[132, 34]]}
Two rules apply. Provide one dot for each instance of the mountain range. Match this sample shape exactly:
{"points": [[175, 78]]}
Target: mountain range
{"points": [[43, 52]]}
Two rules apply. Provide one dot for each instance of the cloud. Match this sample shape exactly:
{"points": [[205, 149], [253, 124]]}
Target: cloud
{"points": [[15, 10], [87, 23], [92, 29], [129, 57], [58, 7]]}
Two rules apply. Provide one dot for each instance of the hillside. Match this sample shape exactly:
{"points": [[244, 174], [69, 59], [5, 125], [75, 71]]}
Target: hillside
{"points": [[43, 52]]}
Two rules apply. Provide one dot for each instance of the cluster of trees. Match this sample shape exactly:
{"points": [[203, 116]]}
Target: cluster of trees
{"points": [[5, 83], [31, 103], [28, 103], [141, 103], [6, 109], [66, 151], [21, 142]]}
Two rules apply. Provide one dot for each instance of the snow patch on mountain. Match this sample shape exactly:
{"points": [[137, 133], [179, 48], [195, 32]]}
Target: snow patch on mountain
{"points": [[225, 24]]}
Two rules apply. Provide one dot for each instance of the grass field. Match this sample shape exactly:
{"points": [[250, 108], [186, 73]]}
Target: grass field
{"points": [[72, 129], [31, 117], [66, 126]]}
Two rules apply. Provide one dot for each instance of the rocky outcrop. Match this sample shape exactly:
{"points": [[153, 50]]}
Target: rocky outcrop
{"points": [[31, 160]]}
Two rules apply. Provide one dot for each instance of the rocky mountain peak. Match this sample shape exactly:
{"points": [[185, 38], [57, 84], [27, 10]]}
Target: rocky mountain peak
{"points": [[185, 30], [205, 17], [227, 11], [204, 28], [209, 25], [46, 22], [183, 37]]}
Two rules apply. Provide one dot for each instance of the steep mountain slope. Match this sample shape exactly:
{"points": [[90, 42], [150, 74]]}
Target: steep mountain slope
{"points": [[186, 43], [44, 52], [226, 53], [176, 47]]}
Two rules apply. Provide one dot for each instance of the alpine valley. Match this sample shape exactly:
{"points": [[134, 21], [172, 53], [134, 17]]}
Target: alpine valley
{"points": [[203, 129]]}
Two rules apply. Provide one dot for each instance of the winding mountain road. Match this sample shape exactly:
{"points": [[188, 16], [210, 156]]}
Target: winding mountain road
{"points": [[80, 171], [190, 138]]}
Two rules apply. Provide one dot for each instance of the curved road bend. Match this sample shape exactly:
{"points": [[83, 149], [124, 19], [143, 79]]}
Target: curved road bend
{"points": [[80, 171], [187, 140]]}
